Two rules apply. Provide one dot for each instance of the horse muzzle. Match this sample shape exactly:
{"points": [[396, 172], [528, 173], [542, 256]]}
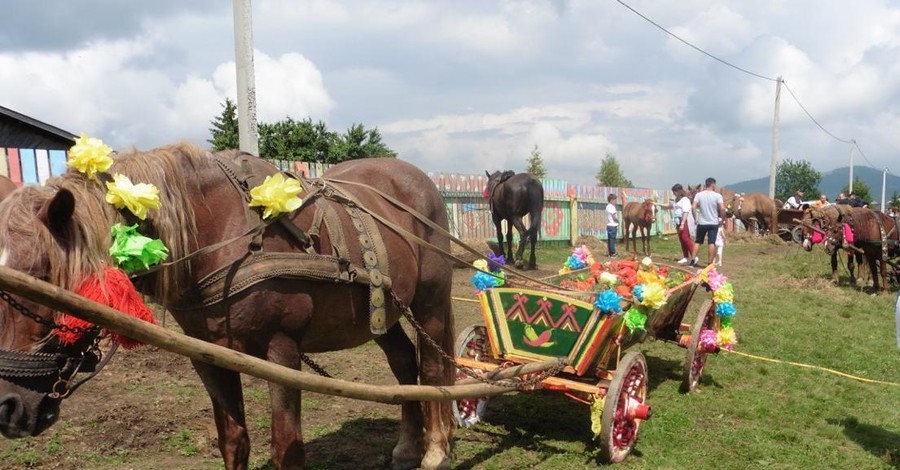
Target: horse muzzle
{"points": [[26, 414]]}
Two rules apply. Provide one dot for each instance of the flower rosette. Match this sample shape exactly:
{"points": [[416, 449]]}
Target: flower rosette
{"points": [[484, 278], [723, 298]]}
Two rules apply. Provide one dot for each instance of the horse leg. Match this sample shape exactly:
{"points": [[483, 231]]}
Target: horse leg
{"points": [[523, 239], [224, 389], [645, 231], [509, 242], [432, 308], [401, 356], [287, 435], [834, 266], [498, 223]]}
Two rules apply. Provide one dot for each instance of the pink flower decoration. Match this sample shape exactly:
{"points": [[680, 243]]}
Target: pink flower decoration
{"points": [[708, 340], [715, 280], [582, 253]]}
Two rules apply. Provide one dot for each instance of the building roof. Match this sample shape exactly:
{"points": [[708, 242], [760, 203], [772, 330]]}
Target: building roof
{"points": [[19, 130]]}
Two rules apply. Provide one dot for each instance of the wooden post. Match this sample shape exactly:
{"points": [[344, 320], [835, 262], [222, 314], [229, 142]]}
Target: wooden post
{"points": [[774, 164], [55, 297], [573, 216]]}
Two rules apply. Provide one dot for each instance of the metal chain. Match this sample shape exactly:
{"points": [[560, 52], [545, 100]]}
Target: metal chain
{"points": [[314, 366], [518, 384], [78, 330]]}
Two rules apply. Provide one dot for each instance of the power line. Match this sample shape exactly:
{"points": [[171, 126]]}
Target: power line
{"points": [[814, 119], [693, 46]]}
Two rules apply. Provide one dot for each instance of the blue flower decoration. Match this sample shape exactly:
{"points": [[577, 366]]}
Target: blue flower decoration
{"points": [[483, 281], [638, 292], [725, 309], [575, 262], [608, 301]]}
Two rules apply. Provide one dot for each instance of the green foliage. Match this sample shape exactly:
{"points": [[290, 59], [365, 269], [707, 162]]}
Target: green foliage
{"points": [[224, 128], [361, 143], [791, 176], [183, 443], [611, 175], [860, 188], [536, 163]]}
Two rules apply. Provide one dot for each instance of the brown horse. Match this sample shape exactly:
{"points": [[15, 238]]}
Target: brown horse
{"points": [[306, 283], [7, 186], [638, 215], [821, 224], [878, 237], [753, 207], [513, 196]]}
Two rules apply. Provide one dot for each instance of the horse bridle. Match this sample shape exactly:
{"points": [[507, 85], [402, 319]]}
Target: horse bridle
{"points": [[83, 356]]}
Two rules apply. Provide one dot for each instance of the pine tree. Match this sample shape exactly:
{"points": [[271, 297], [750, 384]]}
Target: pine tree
{"points": [[536, 163], [610, 174], [224, 128]]}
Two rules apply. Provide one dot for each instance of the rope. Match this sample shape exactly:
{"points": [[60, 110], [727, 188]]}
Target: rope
{"points": [[807, 366], [462, 299]]}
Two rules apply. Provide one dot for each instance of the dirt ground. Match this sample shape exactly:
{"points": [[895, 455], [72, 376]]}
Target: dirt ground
{"points": [[148, 410]]}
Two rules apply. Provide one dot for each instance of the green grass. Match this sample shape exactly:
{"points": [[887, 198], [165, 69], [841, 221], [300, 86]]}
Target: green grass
{"points": [[748, 413]]}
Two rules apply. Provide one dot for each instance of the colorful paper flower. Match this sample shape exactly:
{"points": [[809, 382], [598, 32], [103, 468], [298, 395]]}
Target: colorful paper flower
{"points": [[138, 198], [715, 280], [481, 264], [725, 309], [635, 319], [89, 155], [277, 195], [483, 281], [608, 278], [638, 292], [654, 296], [495, 262], [709, 339], [727, 338], [723, 295], [132, 251], [608, 301]]}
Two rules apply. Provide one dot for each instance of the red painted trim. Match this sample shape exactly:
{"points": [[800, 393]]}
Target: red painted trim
{"points": [[15, 166]]}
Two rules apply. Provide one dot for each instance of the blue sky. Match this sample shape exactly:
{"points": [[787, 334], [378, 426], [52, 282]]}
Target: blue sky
{"points": [[468, 86]]}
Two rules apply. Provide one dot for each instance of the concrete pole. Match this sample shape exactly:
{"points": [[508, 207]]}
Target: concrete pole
{"points": [[852, 144], [774, 165], [246, 85], [883, 186]]}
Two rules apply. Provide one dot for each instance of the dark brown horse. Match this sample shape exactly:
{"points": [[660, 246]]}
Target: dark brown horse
{"points": [[272, 293], [823, 225], [513, 196], [638, 215], [878, 237], [750, 208]]}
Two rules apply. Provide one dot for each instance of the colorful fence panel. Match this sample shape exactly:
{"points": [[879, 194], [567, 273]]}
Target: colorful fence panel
{"points": [[31, 166]]}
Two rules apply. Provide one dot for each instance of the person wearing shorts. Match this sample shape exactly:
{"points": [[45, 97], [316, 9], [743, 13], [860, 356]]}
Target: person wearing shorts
{"points": [[711, 207]]}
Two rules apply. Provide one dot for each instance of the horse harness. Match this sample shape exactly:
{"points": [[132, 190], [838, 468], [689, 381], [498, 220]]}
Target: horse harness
{"points": [[257, 265]]}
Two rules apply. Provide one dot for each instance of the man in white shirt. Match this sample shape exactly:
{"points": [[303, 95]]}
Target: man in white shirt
{"points": [[794, 201], [712, 211], [612, 224]]}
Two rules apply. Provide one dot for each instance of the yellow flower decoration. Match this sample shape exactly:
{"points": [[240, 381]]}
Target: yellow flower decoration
{"points": [[726, 336], [138, 198], [277, 194], [481, 264], [654, 296], [89, 155], [609, 278], [723, 295], [650, 277]]}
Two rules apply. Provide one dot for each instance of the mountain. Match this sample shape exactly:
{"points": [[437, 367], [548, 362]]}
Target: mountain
{"points": [[832, 182]]}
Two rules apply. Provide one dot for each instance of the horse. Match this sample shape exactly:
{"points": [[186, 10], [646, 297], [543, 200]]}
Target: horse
{"points": [[332, 274], [818, 225], [513, 196], [7, 186], [638, 215], [877, 236], [752, 207]]}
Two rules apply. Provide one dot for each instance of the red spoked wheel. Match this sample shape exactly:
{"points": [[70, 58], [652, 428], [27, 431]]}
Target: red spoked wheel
{"points": [[624, 408], [696, 352], [472, 343]]}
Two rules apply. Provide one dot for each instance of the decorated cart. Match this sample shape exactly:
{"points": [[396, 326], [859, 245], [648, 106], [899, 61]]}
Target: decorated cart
{"points": [[591, 314]]}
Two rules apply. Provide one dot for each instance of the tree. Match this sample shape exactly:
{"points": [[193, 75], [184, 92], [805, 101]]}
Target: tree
{"points": [[791, 176], [610, 173], [361, 143], [860, 188], [894, 200], [298, 140], [536, 164], [224, 128]]}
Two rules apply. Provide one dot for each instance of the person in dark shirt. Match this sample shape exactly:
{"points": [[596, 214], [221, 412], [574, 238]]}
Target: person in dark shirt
{"points": [[855, 201], [841, 199]]}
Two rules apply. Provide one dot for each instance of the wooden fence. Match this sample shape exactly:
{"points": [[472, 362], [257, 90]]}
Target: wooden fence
{"points": [[31, 166]]}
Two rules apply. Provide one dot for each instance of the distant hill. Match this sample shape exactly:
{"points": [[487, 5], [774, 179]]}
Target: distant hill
{"points": [[832, 182]]}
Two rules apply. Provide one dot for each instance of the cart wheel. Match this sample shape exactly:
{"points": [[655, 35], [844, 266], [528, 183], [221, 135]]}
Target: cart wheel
{"points": [[797, 234], [696, 356], [472, 343], [624, 408]]}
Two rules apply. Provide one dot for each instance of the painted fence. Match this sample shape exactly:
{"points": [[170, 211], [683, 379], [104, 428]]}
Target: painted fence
{"points": [[31, 166]]}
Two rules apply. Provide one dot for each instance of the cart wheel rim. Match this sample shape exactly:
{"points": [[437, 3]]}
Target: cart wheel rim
{"points": [[472, 343], [696, 357], [620, 428]]}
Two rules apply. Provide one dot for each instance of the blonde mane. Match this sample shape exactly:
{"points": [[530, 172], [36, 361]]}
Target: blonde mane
{"points": [[174, 169]]}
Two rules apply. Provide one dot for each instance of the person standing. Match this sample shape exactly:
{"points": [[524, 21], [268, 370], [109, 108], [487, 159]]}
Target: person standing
{"points": [[612, 224], [712, 211], [681, 212]]}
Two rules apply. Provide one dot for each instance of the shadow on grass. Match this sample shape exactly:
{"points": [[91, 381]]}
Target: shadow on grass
{"points": [[881, 443]]}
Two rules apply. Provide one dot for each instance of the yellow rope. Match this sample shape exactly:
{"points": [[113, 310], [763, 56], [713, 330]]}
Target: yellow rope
{"points": [[842, 374], [464, 300]]}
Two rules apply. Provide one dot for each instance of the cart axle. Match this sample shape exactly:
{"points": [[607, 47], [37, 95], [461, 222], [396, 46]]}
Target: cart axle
{"points": [[636, 409]]}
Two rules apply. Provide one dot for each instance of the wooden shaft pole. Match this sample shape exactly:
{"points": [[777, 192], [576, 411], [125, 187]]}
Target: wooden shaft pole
{"points": [[55, 297]]}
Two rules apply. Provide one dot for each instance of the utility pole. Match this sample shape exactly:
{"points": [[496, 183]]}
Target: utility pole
{"points": [[248, 132], [774, 164], [852, 144], [883, 186]]}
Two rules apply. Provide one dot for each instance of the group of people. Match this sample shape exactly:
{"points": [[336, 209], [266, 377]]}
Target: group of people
{"points": [[707, 209], [796, 201]]}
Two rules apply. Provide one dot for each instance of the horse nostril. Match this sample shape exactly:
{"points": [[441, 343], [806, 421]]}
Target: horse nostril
{"points": [[12, 417]]}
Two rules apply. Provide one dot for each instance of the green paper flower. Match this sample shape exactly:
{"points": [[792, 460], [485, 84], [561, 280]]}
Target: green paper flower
{"points": [[635, 319], [132, 251]]}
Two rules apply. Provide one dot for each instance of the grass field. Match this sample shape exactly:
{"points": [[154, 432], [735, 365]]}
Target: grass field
{"points": [[749, 413]]}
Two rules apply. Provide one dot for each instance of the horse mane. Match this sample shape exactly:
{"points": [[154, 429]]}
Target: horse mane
{"points": [[174, 169], [506, 175]]}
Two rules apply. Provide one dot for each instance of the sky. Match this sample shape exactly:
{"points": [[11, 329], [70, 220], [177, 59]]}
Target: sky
{"points": [[471, 86]]}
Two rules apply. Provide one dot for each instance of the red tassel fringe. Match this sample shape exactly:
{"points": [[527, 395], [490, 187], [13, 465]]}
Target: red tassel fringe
{"points": [[120, 294]]}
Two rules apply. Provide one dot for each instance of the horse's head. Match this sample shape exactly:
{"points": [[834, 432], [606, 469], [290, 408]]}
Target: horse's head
{"points": [[39, 237], [494, 180], [649, 210], [821, 226]]}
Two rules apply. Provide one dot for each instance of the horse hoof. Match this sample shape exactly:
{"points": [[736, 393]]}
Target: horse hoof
{"points": [[520, 265], [435, 460]]}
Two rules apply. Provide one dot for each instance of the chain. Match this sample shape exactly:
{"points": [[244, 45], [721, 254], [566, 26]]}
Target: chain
{"points": [[312, 365], [78, 330], [519, 384]]}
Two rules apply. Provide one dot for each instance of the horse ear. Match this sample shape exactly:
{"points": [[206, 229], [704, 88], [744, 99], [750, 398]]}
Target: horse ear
{"points": [[57, 213], [487, 174]]}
